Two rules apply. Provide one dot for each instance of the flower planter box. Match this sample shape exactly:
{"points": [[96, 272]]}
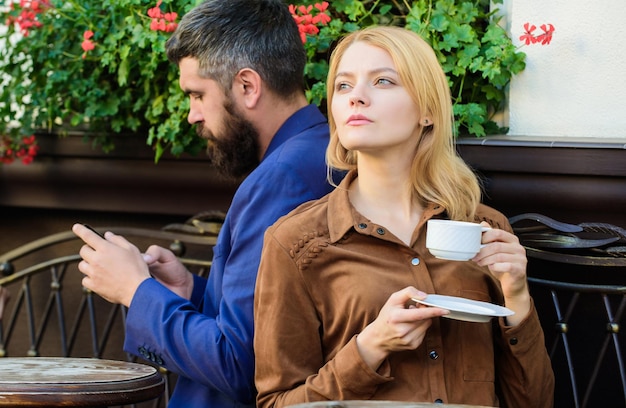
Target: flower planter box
{"points": [[69, 174], [572, 180]]}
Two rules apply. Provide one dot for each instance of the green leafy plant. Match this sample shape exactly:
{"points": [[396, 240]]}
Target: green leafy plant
{"points": [[100, 65], [96, 65], [476, 53]]}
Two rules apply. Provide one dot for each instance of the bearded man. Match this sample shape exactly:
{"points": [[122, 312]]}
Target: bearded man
{"points": [[241, 64]]}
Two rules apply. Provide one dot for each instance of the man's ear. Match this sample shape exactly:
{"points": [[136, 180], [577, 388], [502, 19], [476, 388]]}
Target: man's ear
{"points": [[247, 86]]}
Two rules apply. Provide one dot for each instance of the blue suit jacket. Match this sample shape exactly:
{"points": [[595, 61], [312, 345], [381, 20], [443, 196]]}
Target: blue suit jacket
{"points": [[208, 341]]}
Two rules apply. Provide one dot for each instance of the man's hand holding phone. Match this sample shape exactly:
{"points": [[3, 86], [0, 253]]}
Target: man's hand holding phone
{"points": [[113, 267]]}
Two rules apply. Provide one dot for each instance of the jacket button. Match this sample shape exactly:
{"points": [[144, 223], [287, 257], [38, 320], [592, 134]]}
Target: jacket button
{"points": [[438, 401], [513, 341], [433, 355], [362, 225], [415, 261], [380, 231]]}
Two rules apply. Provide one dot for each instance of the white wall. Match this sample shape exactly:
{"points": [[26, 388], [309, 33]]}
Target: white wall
{"points": [[576, 85]]}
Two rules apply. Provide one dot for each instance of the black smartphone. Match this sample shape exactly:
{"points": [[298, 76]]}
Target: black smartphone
{"points": [[91, 228]]}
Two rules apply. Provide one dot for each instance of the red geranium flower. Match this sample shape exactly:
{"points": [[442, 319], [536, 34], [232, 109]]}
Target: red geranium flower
{"points": [[546, 37], [322, 6], [307, 22], [87, 44], [25, 150], [529, 38], [162, 21], [155, 12]]}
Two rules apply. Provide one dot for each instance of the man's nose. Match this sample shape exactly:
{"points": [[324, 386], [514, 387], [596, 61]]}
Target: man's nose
{"points": [[194, 116]]}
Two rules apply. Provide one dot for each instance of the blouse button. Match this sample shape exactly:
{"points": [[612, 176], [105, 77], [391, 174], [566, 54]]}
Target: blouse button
{"points": [[415, 261], [433, 355], [380, 231], [362, 225]]}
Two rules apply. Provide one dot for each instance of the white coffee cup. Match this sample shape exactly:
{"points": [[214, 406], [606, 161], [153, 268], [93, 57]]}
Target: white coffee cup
{"points": [[454, 240]]}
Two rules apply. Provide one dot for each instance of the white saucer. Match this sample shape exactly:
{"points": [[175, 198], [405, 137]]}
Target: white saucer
{"points": [[466, 309]]}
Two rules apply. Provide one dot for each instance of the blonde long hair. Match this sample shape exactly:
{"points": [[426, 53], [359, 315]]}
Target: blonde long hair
{"points": [[438, 174]]}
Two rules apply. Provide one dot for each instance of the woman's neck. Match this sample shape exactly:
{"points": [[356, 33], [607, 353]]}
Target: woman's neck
{"points": [[383, 194]]}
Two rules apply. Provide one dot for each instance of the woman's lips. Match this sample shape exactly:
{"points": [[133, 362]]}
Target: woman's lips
{"points": [[356, 120]]}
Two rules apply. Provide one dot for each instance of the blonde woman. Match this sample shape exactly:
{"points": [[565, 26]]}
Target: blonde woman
{"points": [[334, 315]]}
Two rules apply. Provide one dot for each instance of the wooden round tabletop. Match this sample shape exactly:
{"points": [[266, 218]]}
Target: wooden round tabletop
{"points": [[76, 382], [379, 404]]}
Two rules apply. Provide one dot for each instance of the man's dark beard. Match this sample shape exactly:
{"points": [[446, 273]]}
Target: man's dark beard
{"points": [[236, 152]]}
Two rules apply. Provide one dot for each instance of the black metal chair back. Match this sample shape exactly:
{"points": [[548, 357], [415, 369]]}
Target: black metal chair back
{"points": [[45, 311], [577, 277]]}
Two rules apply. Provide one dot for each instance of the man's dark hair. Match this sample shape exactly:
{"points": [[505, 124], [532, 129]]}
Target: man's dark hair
{"points": [[226, 36]]}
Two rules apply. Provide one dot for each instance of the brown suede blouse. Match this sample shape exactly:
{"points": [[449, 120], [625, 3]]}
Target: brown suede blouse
{"points": [[326, 272]]}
